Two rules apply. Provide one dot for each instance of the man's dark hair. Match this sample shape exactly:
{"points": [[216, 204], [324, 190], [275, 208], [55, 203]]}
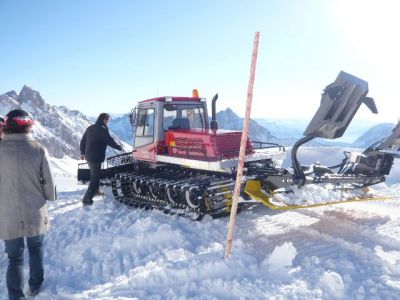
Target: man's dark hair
{"points": [[102, 117]]}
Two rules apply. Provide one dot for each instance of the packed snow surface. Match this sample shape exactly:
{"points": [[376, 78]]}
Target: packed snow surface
{"points": [[315, 194], [109, 251]]}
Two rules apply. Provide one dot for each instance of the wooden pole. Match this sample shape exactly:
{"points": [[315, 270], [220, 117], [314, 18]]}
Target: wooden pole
{"points": [[243, 144]]}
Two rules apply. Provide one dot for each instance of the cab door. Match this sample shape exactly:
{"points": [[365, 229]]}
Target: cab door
{"points": [[144, 143]]}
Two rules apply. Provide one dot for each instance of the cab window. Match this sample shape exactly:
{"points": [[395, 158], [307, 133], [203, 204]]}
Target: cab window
{"points": [[144, 133], [175, 115]]}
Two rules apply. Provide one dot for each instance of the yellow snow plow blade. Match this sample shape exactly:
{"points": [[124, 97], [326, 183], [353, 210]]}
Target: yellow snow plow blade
{"points": [[253, 189]]}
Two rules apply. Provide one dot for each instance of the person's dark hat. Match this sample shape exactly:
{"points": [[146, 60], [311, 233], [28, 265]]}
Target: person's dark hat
{"points": [[102, 117], [18, 118]]}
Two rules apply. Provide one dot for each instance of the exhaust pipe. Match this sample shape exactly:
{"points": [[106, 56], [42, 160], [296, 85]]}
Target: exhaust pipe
{"points": [[214, 123]]}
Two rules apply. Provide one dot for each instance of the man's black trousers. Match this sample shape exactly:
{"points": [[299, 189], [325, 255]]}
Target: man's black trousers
{"points": [[95, 173]]}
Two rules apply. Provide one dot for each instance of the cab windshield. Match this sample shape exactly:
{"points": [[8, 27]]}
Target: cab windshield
{"points": [[183, 116]]}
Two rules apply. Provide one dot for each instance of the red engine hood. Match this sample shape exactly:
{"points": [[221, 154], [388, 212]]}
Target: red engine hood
{"points": [[206, 144]]}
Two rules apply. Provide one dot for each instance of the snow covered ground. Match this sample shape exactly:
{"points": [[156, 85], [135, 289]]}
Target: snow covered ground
{"points": [[109, 251]]}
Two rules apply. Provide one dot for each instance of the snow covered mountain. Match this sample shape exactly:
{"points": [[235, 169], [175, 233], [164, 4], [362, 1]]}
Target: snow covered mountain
{"points": [[284, 129], [121, 126], [57, 128], [227, 119], [290, 130], [284, 132], [60, 128], [376, 133]]}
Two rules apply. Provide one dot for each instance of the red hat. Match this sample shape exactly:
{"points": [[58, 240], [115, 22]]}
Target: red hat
{"points": [[18, 118]]}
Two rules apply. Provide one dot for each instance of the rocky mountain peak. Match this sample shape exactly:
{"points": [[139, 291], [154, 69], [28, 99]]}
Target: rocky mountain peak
{"points": [[57, 128], [8, 102], [228, 119], [229, 112], [73, 113], [12, 94], [29, 95]]}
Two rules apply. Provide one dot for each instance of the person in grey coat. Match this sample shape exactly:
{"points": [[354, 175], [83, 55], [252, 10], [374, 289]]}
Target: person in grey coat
{"points": [[1, 127], [26, 182]]}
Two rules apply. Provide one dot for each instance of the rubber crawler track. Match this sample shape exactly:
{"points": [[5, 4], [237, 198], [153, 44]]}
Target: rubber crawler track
{"points": [[187, 193]]}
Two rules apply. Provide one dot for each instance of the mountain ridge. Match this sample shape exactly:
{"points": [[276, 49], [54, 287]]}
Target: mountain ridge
{"points": [[56, 127], [60, 128]]}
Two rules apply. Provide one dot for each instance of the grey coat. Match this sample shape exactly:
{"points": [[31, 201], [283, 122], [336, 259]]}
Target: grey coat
{"points": [[26, 183]]}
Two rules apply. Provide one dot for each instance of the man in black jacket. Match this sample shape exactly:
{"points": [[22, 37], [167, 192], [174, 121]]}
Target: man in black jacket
{"points": [[93, 148]]}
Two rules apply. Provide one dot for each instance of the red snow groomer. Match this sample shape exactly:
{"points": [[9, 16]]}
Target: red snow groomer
{"points": [[184, 164]]}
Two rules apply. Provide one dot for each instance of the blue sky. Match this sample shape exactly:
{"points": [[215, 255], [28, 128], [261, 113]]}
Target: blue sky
{"points": [[99, 56]]}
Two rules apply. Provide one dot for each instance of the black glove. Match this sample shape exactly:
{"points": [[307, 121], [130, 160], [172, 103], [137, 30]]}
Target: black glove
{"points": [[119, 148]]}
